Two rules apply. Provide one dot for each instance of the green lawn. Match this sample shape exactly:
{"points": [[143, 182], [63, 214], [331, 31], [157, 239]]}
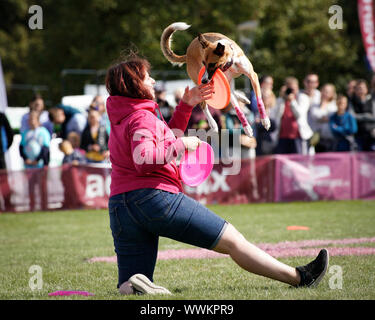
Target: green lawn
{"points": [[61, 242]]}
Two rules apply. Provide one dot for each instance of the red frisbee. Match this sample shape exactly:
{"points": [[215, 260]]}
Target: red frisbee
{"points": [[221, 97]]}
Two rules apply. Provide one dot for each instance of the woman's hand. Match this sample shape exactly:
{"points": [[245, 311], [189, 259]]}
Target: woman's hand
{"points": [[191, 143], [31, 162], [323, 119], [105, 154], [94, 147], [290, 97], [248, 142], [198, 94]]}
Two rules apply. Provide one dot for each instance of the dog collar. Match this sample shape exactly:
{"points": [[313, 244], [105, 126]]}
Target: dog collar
{"points": [[229, 63]]}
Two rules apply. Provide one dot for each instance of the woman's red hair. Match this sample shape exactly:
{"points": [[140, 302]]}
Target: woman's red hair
{"points": [[126, 79]]}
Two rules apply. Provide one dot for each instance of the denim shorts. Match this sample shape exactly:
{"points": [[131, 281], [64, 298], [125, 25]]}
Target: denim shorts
{"points": [[139, 217]]}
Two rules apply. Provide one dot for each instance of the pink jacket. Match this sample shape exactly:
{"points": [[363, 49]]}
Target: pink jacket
{"points": [[143, 148]]}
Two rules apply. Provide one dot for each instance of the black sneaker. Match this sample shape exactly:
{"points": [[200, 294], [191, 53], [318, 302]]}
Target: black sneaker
{"points": [[312, 273]]}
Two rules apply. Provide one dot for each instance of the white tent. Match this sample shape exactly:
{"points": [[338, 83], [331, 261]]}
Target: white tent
{"points": [[3, 93]]}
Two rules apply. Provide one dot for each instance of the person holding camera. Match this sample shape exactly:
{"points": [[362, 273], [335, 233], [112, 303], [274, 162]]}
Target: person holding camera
{"points": [[290, 115]]}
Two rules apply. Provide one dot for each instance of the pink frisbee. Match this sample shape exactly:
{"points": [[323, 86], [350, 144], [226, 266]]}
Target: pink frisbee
{"points": [[196, 166]]}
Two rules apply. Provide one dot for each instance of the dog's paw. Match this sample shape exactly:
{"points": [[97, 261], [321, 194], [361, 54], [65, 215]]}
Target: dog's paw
{"points": [[266, 123], [249, 131], [214, 127]]}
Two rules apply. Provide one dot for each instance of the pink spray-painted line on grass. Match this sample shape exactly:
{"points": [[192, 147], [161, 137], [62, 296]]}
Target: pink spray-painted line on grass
{"points": [[103, 259], [278, 250], [172, 255], [275, 252], [297, 252], [189, 253], [71, 293], [313, 243]]}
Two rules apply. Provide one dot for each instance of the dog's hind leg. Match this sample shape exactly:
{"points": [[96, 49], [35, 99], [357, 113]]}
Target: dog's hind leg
{"points": [[234, 97], [241, 97]]}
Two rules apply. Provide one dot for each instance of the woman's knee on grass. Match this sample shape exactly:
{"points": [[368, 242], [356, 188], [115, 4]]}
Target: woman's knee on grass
{"points": [[230, 240]]}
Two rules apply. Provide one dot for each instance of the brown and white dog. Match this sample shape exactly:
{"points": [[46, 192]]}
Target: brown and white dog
{"points": [[214, 50]]}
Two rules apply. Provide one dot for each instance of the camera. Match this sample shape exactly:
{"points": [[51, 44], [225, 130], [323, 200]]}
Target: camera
{"points": [[288, 91]]}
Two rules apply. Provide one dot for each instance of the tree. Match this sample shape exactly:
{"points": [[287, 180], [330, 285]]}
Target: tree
{"points": [[293, 37]]}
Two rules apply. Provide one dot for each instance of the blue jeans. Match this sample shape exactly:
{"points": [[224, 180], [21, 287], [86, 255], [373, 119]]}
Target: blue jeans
{"points": [[139, 217]]}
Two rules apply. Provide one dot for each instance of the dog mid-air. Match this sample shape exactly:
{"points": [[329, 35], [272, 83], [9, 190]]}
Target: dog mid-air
{"points": [[213, 51]]}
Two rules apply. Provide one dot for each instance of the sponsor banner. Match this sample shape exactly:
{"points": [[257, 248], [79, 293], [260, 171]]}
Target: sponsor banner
{"points": [[366, 22], [277, 178], [31, 190], [253, 183], [325, 176], [93, 184], [364, 175]]}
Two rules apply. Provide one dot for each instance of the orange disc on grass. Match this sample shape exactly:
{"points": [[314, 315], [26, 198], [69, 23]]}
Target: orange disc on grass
{"points": [[221, 97], [297, 228]]}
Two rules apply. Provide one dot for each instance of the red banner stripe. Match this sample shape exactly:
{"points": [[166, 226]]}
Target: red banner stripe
{"points": [[366, 21]]}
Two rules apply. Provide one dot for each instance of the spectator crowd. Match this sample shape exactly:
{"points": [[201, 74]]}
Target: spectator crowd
{"points": [[84, 136], [302, 119], [307, 120]]}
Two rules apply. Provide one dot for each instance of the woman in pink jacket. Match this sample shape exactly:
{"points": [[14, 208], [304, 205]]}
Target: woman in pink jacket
{"points": [[147, 199]]}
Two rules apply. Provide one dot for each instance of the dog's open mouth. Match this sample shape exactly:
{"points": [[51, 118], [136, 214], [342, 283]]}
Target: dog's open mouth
{"points": [[207, 77]]}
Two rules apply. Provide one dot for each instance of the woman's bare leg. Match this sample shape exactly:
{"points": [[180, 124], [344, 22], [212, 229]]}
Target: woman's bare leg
{"points": [[253, 259]]}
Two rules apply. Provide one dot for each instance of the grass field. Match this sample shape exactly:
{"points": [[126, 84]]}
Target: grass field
{"points": [[61, 242]]}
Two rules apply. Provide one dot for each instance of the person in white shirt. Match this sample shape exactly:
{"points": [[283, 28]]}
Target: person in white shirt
{"points": [[319, 119], [311, 84]]}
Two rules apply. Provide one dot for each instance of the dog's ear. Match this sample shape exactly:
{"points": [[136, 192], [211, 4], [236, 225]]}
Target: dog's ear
{"points": [[219, 51], [203, 41]]}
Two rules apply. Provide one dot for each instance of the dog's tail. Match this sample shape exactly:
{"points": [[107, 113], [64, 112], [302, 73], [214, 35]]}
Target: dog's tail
{"points": [[165, 43]]}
